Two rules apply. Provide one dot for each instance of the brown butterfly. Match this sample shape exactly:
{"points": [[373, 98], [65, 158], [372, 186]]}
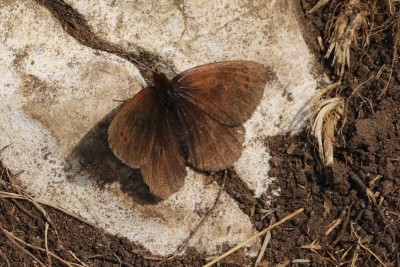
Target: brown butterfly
{"points": [[195, 118]]}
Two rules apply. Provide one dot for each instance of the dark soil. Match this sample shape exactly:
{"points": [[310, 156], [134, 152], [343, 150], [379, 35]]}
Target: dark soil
{"points": [[367, 155]]}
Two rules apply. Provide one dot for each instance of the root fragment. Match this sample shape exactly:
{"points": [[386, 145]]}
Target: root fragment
{"points": [[345, 31]]}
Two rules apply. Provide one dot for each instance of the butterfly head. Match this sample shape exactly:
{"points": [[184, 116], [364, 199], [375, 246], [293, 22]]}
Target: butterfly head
{"points": [[165, 87], [161, 81]]}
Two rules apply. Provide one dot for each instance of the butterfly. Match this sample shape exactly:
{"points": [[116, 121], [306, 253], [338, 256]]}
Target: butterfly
{"points": [[193, 119]]}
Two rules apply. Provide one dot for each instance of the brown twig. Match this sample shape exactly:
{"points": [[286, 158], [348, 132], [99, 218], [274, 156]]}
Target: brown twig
{"points": [[4, 256], [30, 199], [196, 229], [372, 253], [336, 222], [10, 237], [345, 223], [4, 194], [46, 230], [76, 258], [24, 210], [112, 260], [14, 239]]}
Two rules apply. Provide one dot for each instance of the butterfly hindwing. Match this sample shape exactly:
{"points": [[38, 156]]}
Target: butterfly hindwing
{"points": [[211, 145], [141, 135], [228, 91]]}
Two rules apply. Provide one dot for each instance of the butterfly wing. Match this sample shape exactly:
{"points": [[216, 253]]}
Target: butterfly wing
{"points": [[141, 135], [228, 91], [212, 146]]}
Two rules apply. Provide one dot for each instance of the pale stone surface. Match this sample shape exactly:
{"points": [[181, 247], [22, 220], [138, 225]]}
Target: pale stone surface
{"points": [[58, 96]]}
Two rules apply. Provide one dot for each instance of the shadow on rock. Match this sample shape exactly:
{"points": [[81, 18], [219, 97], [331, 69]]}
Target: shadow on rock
{"points": [[92, 157]]}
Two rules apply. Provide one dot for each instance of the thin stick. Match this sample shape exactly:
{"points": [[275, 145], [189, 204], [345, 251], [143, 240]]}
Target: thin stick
{"points": [[111, 259], [46, 229], [4, 256], [345, 223], [11, 238], [263, 232], [34, 203], [372, 253], [4, 194], [196, 229], [119, 260], [355, 257], [209, 212], [76, 258], [30, 214], [263, 248]]}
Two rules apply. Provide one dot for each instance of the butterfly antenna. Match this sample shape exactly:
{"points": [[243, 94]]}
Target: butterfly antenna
{"points": [[169, 58], [132, 58], [182, 10], [180, 39], [154, 68]]}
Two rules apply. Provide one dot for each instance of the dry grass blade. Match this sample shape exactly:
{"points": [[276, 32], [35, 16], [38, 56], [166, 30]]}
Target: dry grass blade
{"points": [[373, 182], [4, 256], [10, 237], [301, 261], [321, 93], [333, 225], [263, 248], [327, 203], [4, 194], [372, 253], [317, 6], [313, 245], [263, 232], [324, 120], [46, 230], [283, 264], [28, 198], [14, 239], [76, 258], [355, 256]]}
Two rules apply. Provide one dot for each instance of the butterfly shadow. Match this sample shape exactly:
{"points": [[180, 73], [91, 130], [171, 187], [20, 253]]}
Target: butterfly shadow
{"points": [[298, 119], [93, 156]]}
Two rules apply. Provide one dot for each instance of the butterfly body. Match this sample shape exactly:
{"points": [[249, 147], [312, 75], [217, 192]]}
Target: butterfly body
{"points": [[165, 88], [195, 118]]}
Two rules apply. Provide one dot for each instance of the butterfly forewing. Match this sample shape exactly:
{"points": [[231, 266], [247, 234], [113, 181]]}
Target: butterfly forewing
{"points": [[212, 146], [141, 135], [228, 91]]}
